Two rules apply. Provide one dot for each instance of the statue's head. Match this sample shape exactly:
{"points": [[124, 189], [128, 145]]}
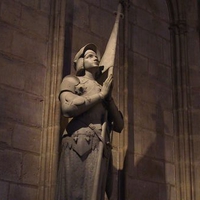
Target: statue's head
{"points": [[79, 57]]}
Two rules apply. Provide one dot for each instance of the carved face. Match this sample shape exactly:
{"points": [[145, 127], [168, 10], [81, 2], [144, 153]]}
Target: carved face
{"points": [[90, 60]]}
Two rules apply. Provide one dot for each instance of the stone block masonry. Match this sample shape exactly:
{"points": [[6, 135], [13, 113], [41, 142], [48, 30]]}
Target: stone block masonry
{"points": [[24, 27], [149, 165]]}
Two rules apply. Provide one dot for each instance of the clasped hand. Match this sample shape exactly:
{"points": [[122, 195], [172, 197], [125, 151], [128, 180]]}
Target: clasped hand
{"points": [[107, 87]]}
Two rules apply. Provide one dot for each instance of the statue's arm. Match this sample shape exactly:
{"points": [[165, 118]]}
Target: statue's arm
{"points": [[115, 115], [73, 105]]}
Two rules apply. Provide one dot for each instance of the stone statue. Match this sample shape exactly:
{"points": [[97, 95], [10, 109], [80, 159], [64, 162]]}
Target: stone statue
{"points": [[86, 161]]}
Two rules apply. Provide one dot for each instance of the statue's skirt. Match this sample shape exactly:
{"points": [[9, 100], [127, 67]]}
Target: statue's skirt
{"points": [[77, 170]]}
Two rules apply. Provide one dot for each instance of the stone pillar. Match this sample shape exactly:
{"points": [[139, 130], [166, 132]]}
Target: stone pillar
{"points": [[182, 112], [51, 115]]}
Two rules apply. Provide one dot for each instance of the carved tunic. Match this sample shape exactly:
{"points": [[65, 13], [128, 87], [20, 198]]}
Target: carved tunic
{"points": [[80, 149]]}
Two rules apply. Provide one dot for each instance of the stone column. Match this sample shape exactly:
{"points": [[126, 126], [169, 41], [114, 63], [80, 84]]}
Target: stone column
{"points": [[182, 112], [51, 115]]}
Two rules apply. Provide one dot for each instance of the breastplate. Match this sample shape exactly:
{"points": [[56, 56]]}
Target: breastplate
{"points": [[91, 87]]}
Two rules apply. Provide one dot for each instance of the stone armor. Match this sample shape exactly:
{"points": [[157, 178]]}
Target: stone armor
{"points": [[80, 145]]}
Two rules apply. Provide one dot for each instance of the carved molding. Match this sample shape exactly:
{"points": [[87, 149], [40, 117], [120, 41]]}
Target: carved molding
{"points": [[180, 27], [182, 110], [51, 115]]}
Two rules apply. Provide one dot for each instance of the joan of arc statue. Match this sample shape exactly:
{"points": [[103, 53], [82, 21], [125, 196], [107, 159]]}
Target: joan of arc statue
{"points": [[84, 99], [86, 161]]}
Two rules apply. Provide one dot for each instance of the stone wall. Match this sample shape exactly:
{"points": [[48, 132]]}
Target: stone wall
{"points": [[149, 167], [24, 27]]}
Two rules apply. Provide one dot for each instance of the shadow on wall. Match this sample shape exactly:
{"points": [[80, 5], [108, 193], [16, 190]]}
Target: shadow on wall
{"points": [[144, 176], [68, 37], [153, 167], [67, 52]]}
